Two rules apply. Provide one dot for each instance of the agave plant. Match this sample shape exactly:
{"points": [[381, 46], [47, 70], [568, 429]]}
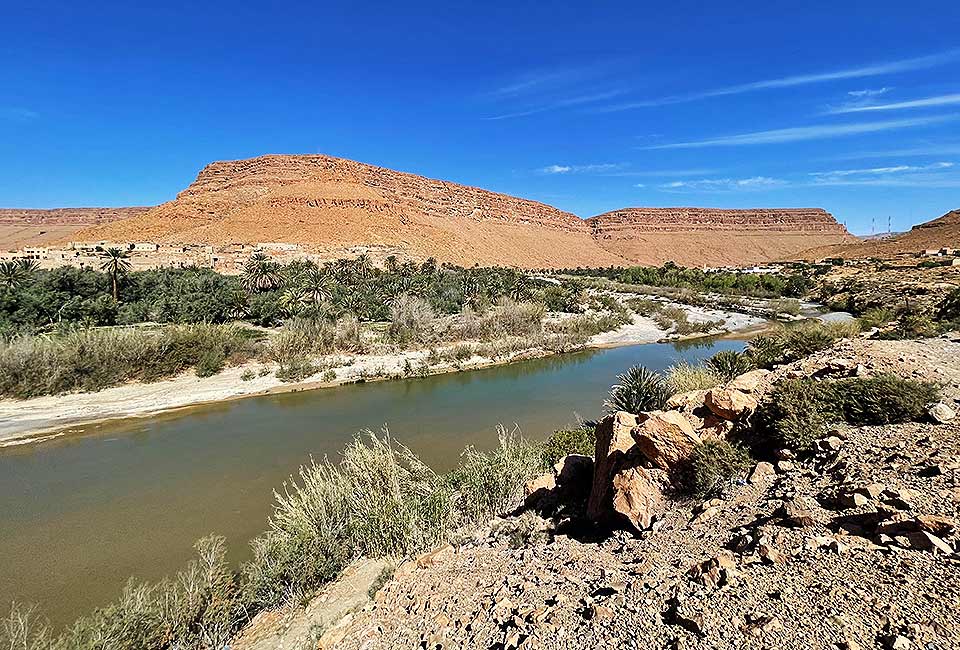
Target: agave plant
{"points": [[729, 364], [638, 390]]}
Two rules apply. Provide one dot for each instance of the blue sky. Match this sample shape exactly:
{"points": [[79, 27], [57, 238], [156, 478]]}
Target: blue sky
{"points": [[851, 106]]}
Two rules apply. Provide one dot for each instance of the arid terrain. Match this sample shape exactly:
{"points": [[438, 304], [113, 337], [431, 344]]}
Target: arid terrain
{"points": [[714, 237], [851, 547], [22, 227], [943, 232], [333, 207]]}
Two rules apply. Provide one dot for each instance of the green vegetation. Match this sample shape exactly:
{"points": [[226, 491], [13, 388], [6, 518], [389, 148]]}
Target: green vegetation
{"points": [[798, 411], [728, 364], [563, 442], [788, 344], [637, 390], [92, 359], [380, 500], [265, 294], [792, 284], [684, 377], [710, 465]]}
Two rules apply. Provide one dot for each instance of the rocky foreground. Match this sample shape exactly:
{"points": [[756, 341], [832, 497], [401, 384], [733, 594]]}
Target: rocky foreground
{"points": [[855, 546]]}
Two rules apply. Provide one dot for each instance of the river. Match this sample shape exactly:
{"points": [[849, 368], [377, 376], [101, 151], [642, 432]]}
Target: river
{"points": [[82, 513]]}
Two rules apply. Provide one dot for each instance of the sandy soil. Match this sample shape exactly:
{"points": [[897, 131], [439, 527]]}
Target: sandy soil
{"points": [[43, 418]]}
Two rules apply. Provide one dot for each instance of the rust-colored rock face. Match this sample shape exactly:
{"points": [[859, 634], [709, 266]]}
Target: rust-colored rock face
{"points": [[28, 227], [710, 236], [331, 203], [942, 232], [67, 216]]}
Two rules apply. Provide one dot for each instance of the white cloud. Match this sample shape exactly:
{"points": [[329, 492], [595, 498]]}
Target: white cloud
{"points": [[725, 184], [868, 92], [940, 149], [641, 185], [891, 67], [558, 104], [934, 174], [800, 133], [579, 169], [941, 100]]}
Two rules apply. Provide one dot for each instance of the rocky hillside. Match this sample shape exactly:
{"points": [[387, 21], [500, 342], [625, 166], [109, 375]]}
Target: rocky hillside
{"points": [[714, 237], [851, 546], [67, 216], [942, 232], [333, 204], [27, 227]]}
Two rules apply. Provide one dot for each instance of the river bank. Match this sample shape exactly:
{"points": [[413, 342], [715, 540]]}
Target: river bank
{"points": [[45, 418]]}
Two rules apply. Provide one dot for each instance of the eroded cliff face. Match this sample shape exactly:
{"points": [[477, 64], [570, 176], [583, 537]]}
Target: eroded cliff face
{"points": [[942, 232], [714, 237], [67, 216], [331, 203], [333, 206]]}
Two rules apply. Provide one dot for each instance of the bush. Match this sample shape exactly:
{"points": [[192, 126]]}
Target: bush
{"points": [[797, 412], [729, 364], [949, 308], [563, 442], [792, 343], [710, 465], [876, 317], [94, 359], [411, 320], [789, 306], [884, 399], [684, 377], [638, 390], [487, 484]]}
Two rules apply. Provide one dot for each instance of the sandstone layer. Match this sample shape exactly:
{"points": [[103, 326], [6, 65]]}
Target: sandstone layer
{"points": [[21, 227], [714, 237], [332, 203]]}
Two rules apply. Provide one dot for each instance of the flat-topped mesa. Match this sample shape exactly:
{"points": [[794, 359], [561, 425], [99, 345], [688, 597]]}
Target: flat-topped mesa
{"points": [[793, 220], [712, 236], [256, 177], [67, 216], [330, 205]]}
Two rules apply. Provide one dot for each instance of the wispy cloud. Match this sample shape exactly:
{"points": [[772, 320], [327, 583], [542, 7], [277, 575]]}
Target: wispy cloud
{"points": [[18, 114], [663, 173], [868, 92], [938, 174], [939, 149], [724, 184], [890, 67], [895, 169], [941, 100], [800, 133], [579, 169], [565, 102]]}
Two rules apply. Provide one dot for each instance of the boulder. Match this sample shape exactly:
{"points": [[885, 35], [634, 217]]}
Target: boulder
{"points": [[761, 473], [613, 443], [664, 437], [941, 413], [686, 401], [624, 493], [730, 404], [749, 381], [637, 497]]}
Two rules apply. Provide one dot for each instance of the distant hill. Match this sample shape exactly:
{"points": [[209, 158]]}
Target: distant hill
{"points": [[942, 232], [335, 206], [714, 237], [21, 227]]}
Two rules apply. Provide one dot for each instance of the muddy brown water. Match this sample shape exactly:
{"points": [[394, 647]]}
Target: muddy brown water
{"points": [[82, 514]]}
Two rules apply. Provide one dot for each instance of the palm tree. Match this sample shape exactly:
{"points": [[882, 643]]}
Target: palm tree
{"points": [[317, 286], [519, 290], [260, 274], [116, 263], [363, 265], [28, 266], [12, 276]]}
